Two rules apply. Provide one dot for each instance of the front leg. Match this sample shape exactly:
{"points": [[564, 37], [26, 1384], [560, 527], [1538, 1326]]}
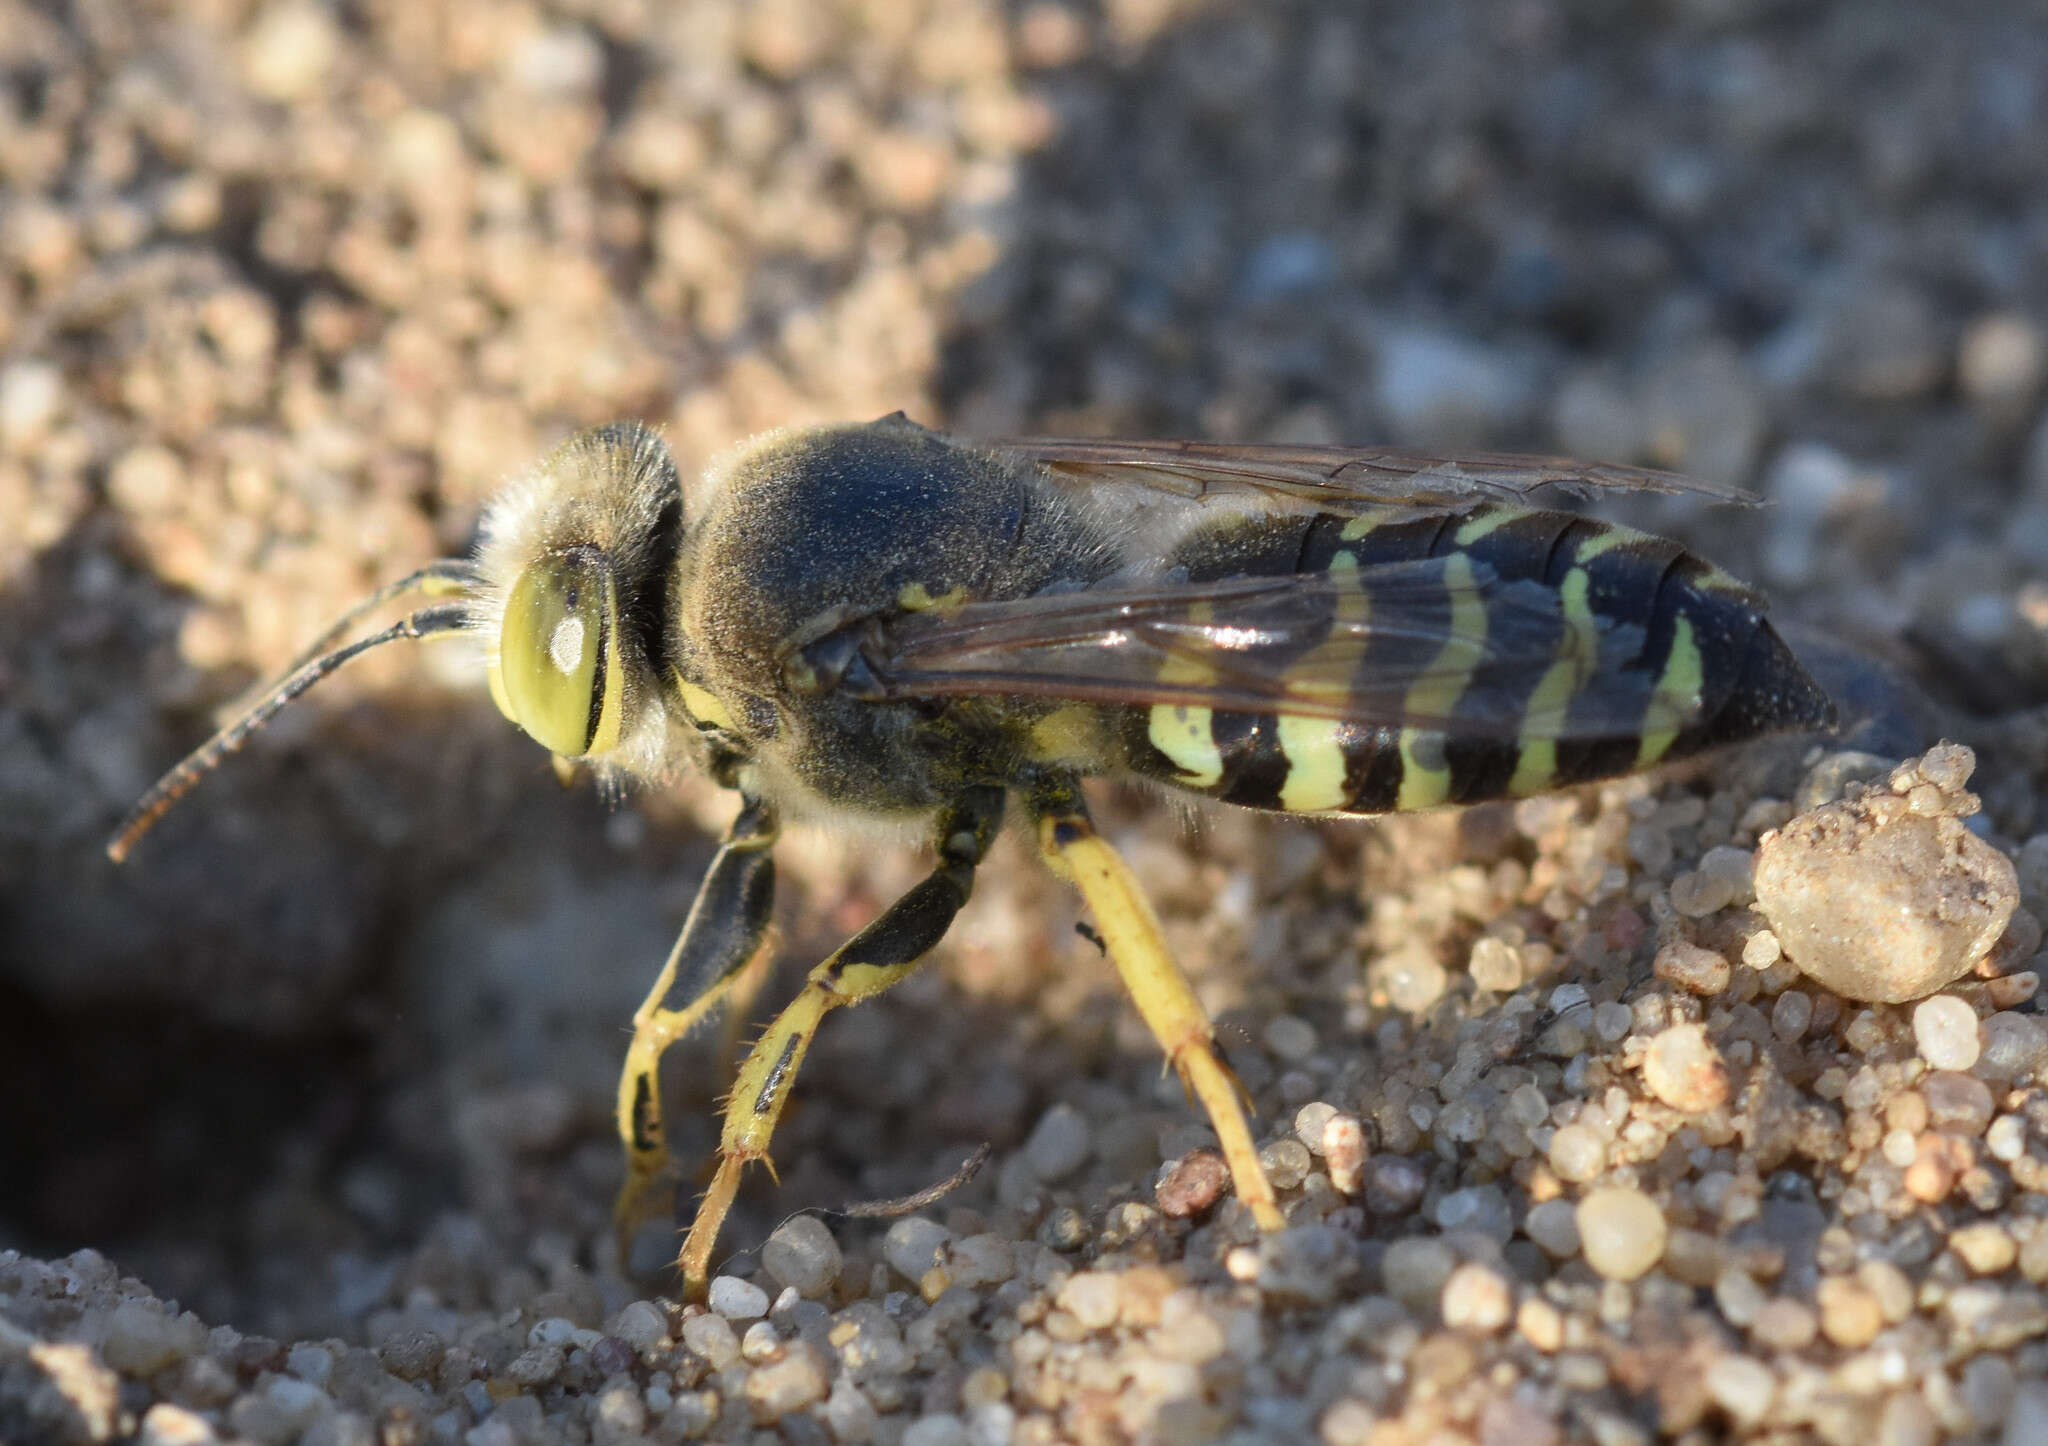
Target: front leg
{"points": [[725, 932], [883, 954]]}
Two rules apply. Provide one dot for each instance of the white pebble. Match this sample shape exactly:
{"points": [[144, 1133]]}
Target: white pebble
{"points": [[1091, 1297], [1622, 1231], [142, 1340], [1577, 1153], [1493, 965], [1344, 1150], [1684, 1070], [913, 1245], [167, 1425], [1477, 1298], [1741, 1387], [713, 1338], [803, 1255], [1945, 1032], [2007, 1138], [641, 1325], [737, 1299], [1309, 1121]]}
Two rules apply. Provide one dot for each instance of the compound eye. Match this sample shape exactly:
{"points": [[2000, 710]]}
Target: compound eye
{"points": [[557, 673]]}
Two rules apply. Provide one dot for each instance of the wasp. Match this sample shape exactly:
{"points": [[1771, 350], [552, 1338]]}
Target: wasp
{"points": [[884, 624]]}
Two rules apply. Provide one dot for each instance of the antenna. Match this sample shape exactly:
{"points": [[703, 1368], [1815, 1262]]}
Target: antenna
{"points": [[441, 618]]}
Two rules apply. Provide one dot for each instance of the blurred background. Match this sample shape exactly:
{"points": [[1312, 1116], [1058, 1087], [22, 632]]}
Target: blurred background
{"points": [[286, 288]]}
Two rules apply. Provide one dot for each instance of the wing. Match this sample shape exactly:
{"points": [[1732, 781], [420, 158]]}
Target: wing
{"points": [[1435, 643], [1347, 478]]}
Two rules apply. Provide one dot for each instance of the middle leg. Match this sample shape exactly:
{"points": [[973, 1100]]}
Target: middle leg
{"points": [[883, 954]]}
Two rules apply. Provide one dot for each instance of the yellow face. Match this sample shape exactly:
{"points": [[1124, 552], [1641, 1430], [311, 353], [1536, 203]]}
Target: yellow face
{"points": [[557, 672]]}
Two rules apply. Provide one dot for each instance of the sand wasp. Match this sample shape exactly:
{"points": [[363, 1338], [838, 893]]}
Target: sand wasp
{"points": [[881, 623]]}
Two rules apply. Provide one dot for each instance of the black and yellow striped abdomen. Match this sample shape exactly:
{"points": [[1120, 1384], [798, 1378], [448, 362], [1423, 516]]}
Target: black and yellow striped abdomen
{"points": [[1531, 650]]}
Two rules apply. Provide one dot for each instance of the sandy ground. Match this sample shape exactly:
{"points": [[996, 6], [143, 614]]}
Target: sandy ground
{"points": [[304, 1114]]}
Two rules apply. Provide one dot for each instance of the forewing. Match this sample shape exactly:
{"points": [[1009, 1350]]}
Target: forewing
{"points": [[1391, 645], [1346, 479]]}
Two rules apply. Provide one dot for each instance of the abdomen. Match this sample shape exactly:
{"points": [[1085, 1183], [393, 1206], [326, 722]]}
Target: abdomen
{"points": [[1697, 666]]}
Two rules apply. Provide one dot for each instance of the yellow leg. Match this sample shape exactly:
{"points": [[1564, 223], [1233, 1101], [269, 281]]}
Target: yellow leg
{"points": [[884, 954], [719, 959], [1130, 931]]}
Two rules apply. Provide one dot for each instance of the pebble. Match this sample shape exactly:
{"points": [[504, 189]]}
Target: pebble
{"points": [[1190, 1184], [1958, 1103], [1742, 1387], [1621, 1231], [1303, 1264], [1684, 1070], [1738, 1297], [1434, 387], [1945, 1032], [2000, 361], [1290, 1038], [1784, 1325], [1415, 1270], [1189, 1330], [737, 1299], [1554, 1226], [849, 1414], [1706, 411], [804, 1255], [1850, 1313], [1879, 902], [1476, 1209], [1349, 1422], [914, 1245], [535, 1366], [1761, 950], [167, 1425], [938, 1429], [1286, 1163], [981, 1260], [1344, 1152], [1986, 1247], [2026, 1420], [1791, 1014], [289, 50], [790, 1384], [1691, 968], [1477, 1298], [142, 1340], [1065, 1228], [282, 1410], [713, 1338], [1091, 1297], [1907, 1420], [761, 1343], [2015, 1048], [1577, 1153], [1494, 966], [1060, 1144], [1309, 1122], [1697, 893], [641, 1325], [2006, 1138]]}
